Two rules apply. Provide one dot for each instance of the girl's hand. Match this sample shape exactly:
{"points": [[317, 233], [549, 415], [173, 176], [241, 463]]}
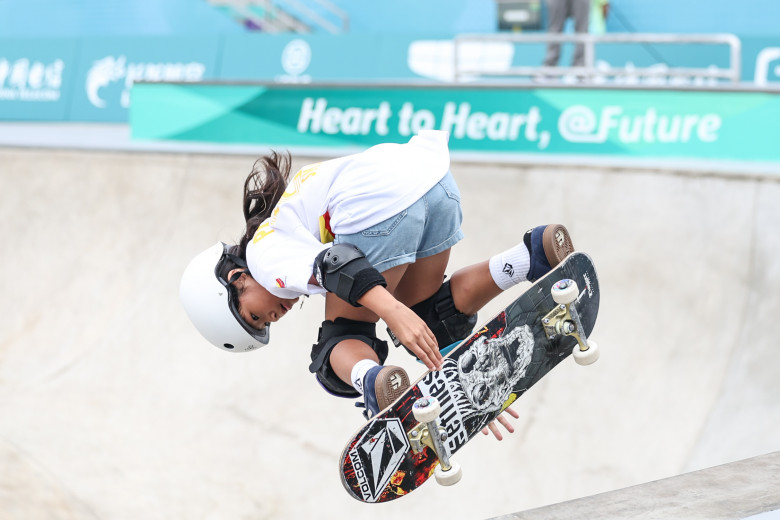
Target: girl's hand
{"points": [[415, 335], [493, 427], [407, 326]]}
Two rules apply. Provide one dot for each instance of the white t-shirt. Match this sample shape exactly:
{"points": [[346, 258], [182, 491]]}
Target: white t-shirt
{"points": [[341, 196]]}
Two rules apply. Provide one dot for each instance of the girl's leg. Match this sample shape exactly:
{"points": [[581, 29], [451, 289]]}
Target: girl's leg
{"points": [[476, 285], [542, 248], [472, 287], [422, 279], [347, 354]]}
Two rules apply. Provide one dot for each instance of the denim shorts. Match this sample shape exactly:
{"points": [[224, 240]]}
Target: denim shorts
{"points": [[427, 227]]}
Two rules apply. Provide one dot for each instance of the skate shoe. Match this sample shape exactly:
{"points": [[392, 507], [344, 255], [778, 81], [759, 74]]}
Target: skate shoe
{"points": [[382, 386], [547, 247]]}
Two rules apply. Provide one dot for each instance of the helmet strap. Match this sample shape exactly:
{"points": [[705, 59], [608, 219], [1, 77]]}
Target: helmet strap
{"points": [[236, 276]]}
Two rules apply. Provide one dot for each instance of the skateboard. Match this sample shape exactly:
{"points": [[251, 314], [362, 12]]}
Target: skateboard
{"points": [[414, 438]]}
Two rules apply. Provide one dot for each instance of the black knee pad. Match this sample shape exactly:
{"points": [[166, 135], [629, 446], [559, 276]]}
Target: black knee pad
{"points": [[447, 323], [331, 333]]}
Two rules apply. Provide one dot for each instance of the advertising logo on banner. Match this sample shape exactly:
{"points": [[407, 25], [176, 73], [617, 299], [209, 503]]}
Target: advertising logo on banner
{"points": [[313, 58], [296, 58], [116, 69], [35, 79], [23, 80], [110, 66]]}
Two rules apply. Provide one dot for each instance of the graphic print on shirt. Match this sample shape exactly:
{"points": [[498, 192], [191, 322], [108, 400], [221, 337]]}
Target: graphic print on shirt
{"points": [[293, 189], [326, 233]]}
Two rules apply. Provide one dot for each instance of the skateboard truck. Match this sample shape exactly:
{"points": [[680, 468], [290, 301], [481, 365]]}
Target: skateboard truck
{"points": [[430, 433], [564, 320]]}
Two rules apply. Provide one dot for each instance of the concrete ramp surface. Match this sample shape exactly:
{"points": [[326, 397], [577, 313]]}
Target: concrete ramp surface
{"points": [[748, 489], [113, 407]]}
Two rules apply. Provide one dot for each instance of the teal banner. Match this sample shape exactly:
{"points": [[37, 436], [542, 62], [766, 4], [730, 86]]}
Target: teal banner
{"points": [[620, 123]]}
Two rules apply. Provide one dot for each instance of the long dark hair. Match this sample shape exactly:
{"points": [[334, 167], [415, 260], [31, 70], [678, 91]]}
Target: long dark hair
{"points": [[263, 188]]}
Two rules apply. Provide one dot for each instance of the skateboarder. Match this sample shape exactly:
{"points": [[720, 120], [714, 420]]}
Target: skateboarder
{"points": [[372, 232]]}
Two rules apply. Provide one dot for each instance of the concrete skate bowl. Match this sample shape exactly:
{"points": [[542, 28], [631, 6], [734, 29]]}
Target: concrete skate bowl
{"points": [[112, 406]]}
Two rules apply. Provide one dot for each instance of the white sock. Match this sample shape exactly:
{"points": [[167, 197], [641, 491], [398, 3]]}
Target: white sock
{"points": [[510, 267], [359, 373]]}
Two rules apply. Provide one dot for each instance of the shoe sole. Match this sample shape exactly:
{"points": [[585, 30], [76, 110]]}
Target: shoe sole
{"points": [[390, 384], [557, 244]]}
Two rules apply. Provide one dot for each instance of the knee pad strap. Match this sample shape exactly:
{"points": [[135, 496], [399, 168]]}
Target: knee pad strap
{"points": [[330, 334]]}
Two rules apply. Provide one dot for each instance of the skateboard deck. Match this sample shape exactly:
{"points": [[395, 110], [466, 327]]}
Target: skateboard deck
{"points": [[480, 377]]}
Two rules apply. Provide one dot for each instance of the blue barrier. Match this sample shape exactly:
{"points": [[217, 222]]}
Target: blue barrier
{"points": [[89, 79]]}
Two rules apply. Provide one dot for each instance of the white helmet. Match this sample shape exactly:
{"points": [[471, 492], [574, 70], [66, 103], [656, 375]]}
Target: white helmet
{"points": [[208, 300]]}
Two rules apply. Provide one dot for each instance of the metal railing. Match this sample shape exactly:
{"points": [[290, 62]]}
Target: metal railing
{"points": [[589, 70], [280, 16], [341, 26]]}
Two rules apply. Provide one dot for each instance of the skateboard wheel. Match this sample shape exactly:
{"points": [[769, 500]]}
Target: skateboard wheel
{"points": [[448, 477], [426, 409], [586, 357], [565, 291]]}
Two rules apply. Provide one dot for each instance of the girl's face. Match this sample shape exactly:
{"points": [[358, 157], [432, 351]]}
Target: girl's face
{"points": [[256, 305]]}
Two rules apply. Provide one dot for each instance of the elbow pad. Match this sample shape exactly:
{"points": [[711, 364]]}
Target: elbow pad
{"points": [[344, 270]]}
